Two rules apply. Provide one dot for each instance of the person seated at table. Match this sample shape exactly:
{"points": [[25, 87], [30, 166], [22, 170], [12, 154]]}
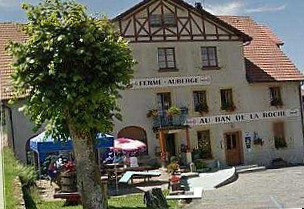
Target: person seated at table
{"points": [[118, 158], [133, 160], [109, 159]]}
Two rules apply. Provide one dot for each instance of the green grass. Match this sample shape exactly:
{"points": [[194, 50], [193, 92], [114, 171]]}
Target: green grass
{"points": [[126, 202], [33, 200], [10, 173]]}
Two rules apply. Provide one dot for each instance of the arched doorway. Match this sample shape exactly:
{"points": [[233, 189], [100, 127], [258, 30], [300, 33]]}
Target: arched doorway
{"points": [[134, 132]]}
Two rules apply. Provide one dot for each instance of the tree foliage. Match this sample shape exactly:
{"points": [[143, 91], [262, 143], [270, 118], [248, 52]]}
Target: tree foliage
{"points": [[71, 68]]}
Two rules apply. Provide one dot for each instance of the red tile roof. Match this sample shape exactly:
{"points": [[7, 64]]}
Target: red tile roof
{"points": [[265, 61], [8, 31]]}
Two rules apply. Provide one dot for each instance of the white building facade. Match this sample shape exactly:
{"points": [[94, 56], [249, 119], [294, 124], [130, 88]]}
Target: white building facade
{"points": [[194, 61], [213, 88]]}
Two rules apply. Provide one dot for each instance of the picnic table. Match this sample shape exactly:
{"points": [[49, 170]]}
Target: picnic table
{"points": [[129, 175], [120, 170]]}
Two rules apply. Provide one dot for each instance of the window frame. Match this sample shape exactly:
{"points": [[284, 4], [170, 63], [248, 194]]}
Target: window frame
{"points": [[166, 58], [156, 16], [205, 103], [230, 105], [208, 57], [161, 95], [275, 96], [162, 18], [171, 15]]}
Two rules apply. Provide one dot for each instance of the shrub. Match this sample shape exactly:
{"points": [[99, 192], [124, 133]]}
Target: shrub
{"points": [[173, 111], [27, 175]]}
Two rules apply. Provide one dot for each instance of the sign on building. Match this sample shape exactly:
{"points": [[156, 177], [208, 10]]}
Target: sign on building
{"points": [[242, 117], [144, 83]]}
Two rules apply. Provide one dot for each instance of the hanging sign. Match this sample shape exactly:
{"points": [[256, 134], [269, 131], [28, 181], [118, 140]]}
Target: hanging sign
{"points": [[144, 83], [242, 117]]}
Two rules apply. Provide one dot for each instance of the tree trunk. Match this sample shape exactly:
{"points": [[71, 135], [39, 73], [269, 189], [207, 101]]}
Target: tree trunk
{"points": [[88, 174]]}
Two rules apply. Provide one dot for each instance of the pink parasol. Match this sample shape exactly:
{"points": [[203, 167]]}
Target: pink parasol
{"points": [[129, 145]]}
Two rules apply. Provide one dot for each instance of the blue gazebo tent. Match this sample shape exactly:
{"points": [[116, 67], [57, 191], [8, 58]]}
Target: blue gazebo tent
{"points": [[43, 145]]}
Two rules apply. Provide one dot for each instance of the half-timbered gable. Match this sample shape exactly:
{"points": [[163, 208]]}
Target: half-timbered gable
{"points": [[174, 20]]}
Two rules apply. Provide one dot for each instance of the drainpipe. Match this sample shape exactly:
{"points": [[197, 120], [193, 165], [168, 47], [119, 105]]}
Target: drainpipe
{"points": [[11, 124], [301, 107]]}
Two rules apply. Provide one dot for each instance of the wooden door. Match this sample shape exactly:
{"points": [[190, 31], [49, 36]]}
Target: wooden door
{"points": [[233, 148]]}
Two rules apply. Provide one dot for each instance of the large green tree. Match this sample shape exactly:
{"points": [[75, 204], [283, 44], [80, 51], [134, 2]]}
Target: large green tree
{"points": [[71, 69]]}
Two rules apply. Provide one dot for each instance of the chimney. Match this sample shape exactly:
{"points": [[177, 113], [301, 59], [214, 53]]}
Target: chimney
{"points": [[198, 6]]}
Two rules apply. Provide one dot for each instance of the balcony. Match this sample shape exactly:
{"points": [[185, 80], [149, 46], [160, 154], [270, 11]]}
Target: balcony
{"points": [[164, 120]]}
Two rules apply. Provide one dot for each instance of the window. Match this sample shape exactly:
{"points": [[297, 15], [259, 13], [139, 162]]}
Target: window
{"points": [[209, 57], [166, 58], [227, 100], [158, 20], [200, 101], [169, 20], [275, 96], [204, 145], [155, 20], [279, 135], [164, 101], [231, 141]]}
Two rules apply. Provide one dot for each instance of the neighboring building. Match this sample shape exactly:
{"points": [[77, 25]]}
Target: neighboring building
{"points": [[237, 92]]}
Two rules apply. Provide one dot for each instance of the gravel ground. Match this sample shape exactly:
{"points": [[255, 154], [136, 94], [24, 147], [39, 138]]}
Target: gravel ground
{"points": [[277, 188]]}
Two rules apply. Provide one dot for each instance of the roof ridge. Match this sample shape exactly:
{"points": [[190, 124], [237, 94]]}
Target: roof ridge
{"points": [[236, 16]]}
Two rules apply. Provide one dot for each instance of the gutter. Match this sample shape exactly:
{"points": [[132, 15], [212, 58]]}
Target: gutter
{"points": [[301, 104]]}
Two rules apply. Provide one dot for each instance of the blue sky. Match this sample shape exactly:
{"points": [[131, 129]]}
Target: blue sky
{"points": [[285, 17]]}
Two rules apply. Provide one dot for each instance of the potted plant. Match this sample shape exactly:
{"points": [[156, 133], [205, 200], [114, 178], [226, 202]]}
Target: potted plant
{"points": [[172, 111], [279, 142], [152, 113], [258, 141], [276, 102], [196, 153], [228, 107], [202, 108]]}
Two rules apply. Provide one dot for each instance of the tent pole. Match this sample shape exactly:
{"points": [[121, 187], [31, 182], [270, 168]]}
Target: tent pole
{"points": [[39, 166]]}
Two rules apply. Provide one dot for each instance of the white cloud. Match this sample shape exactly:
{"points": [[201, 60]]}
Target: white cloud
{"points": [[238, 7], [231, 8], [267, 8]]}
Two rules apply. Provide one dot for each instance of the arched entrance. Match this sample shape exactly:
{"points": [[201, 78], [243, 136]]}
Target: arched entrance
{"points": [[134, 132]]}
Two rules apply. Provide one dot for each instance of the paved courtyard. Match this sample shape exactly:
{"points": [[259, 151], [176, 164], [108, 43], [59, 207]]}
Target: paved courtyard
{"points": [[279, 188]]}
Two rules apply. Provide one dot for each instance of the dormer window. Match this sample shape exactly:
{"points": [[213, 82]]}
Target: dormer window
{"points": [[158, 20]]}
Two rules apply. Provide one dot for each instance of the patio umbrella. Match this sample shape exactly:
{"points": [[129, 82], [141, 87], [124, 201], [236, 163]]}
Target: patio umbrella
{"points": [[128, 146]]}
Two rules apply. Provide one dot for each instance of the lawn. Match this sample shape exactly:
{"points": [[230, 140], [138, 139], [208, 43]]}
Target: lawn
{"points": [[10, 173], [126, 202], [33, 201]]}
